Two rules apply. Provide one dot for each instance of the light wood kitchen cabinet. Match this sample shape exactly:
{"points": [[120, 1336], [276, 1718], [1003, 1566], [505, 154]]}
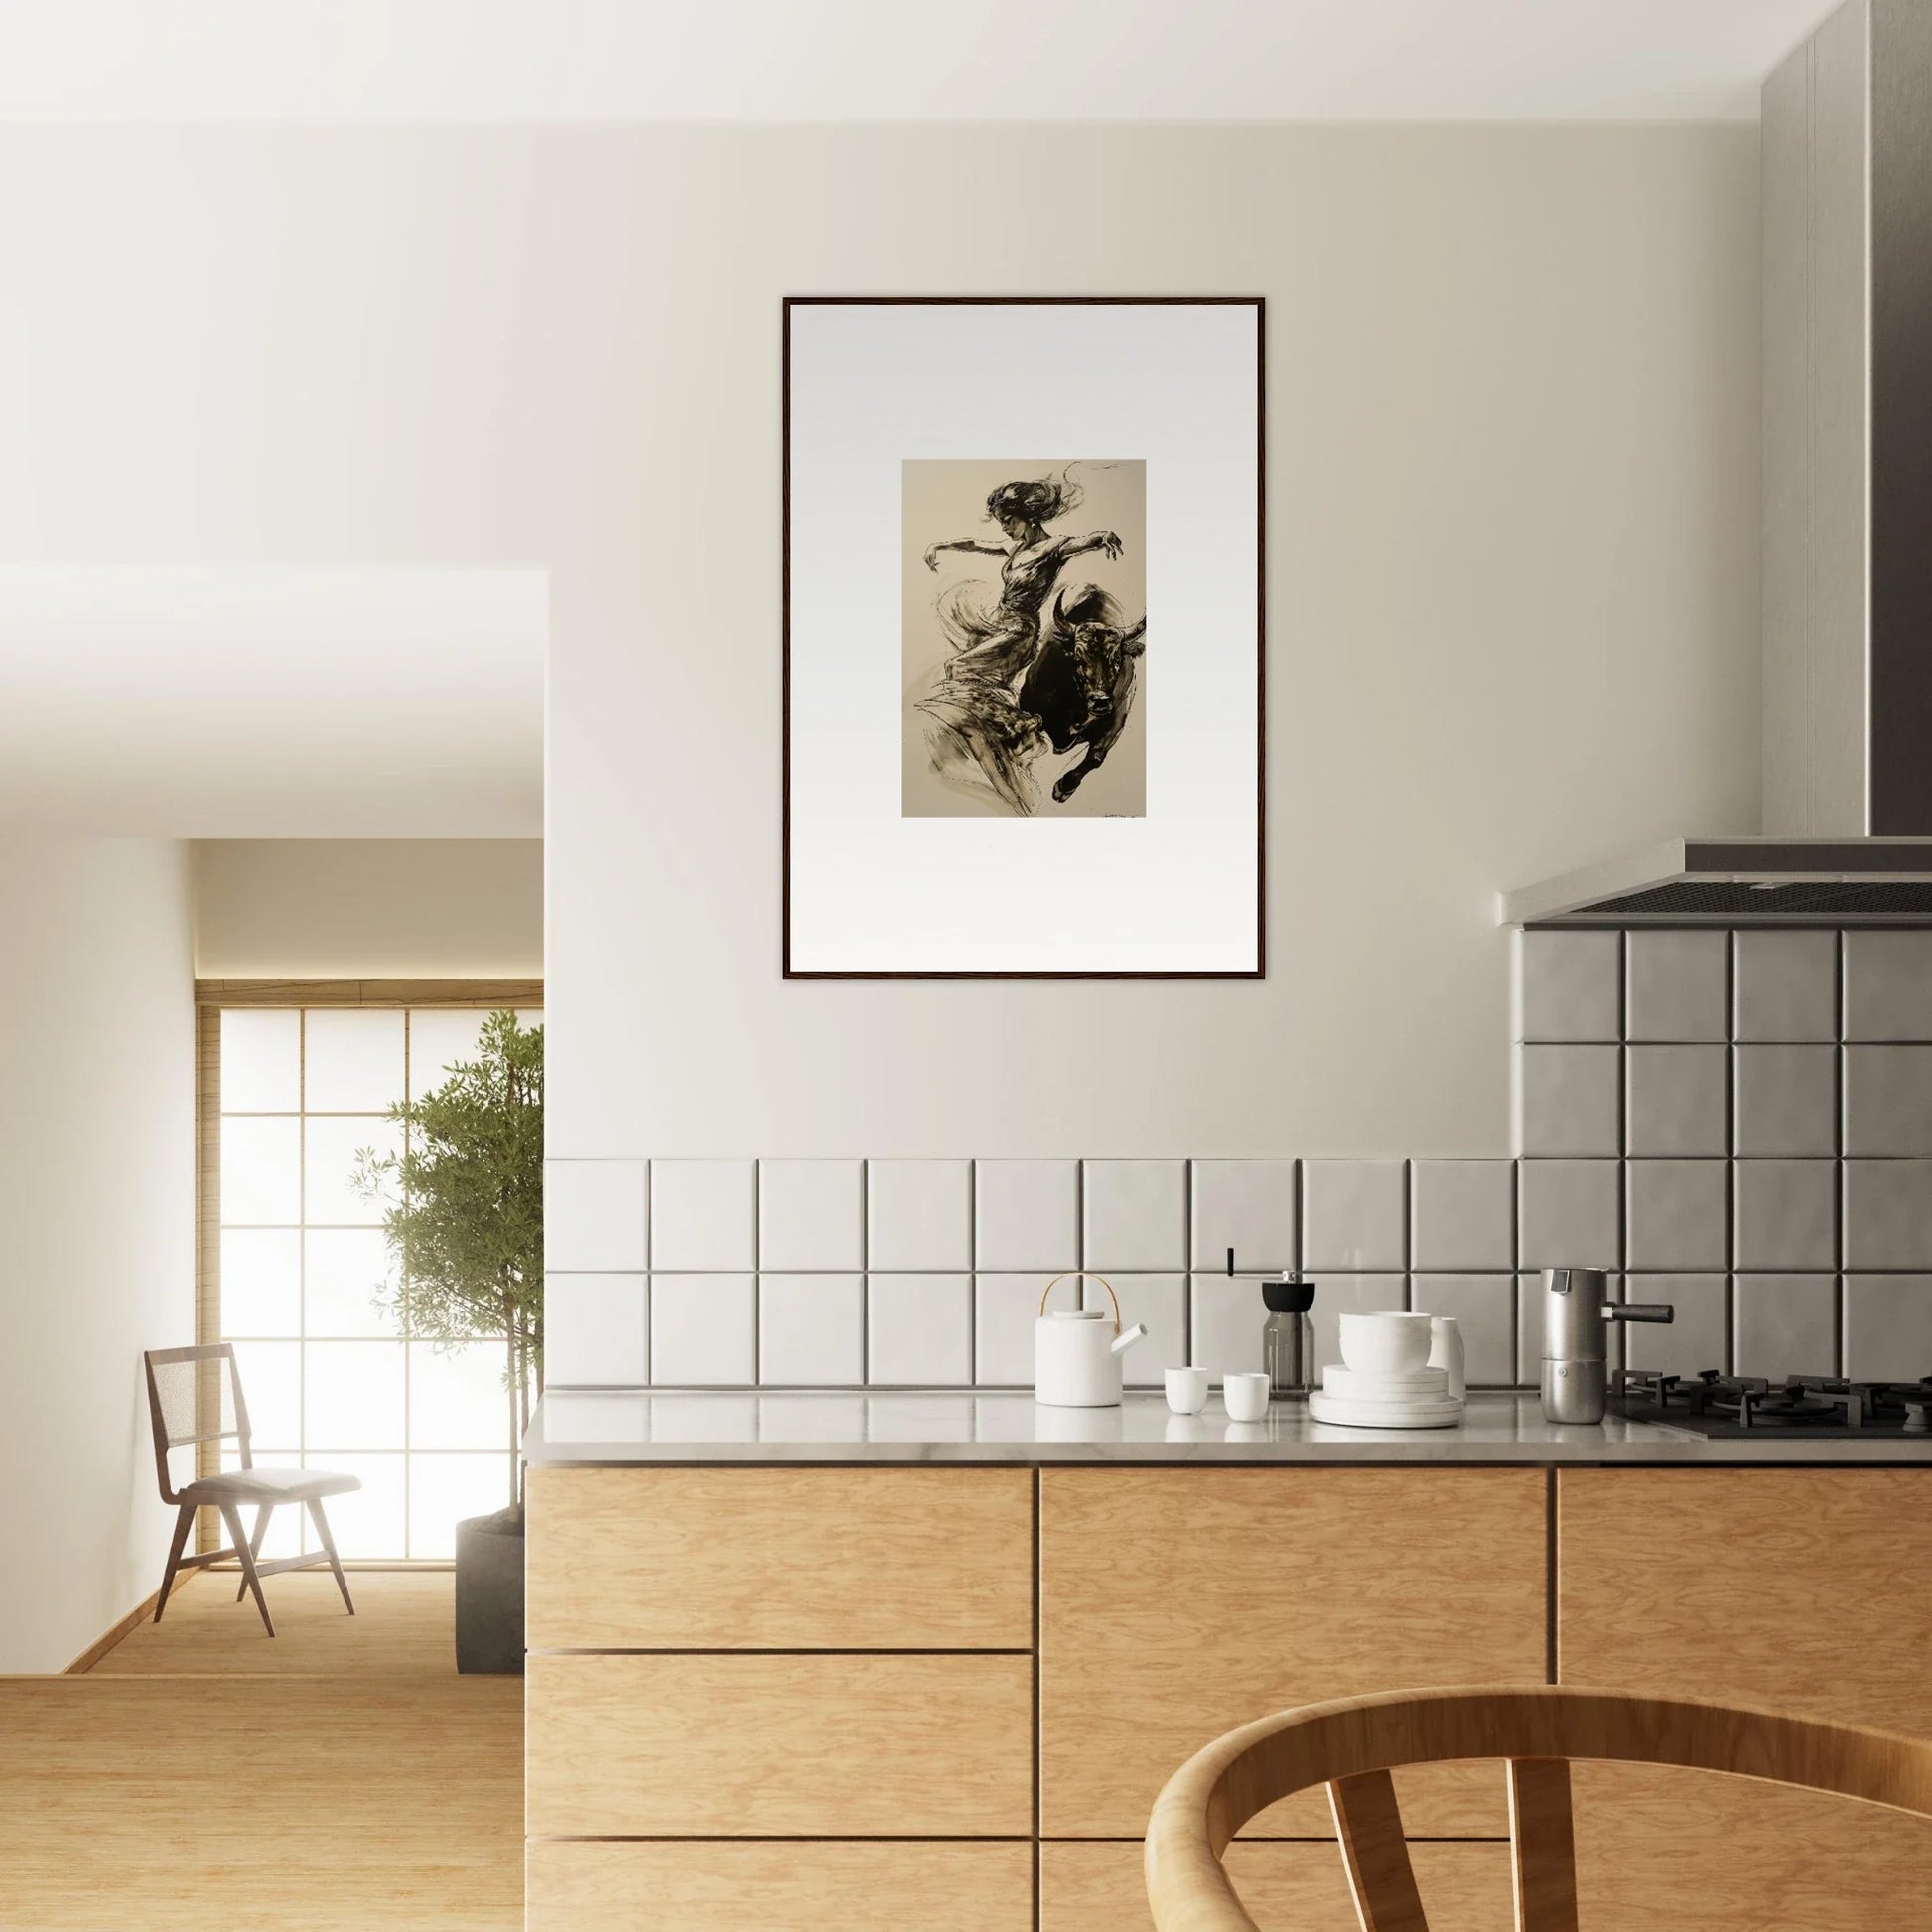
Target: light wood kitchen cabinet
{"points": [[774, 1747], [1290, 1884], [798, 1886], [780, 1559], [1177, 1603], [1799, 1590]]}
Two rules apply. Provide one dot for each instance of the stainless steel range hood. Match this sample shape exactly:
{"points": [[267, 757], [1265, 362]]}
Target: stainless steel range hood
{"points": [[1739, 882], [1846, 686]]}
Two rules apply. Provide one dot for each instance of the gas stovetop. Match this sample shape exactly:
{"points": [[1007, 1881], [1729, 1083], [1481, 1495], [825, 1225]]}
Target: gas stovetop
{"points": [[1801, 1405]]}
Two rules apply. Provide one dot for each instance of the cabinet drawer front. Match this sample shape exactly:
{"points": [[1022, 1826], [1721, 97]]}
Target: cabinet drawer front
{"points": [[774, 1747], [800, 1886], [1695, 1851], [780, 1560], [1177, 1604], [1805, 1590], [1100, 1887]]}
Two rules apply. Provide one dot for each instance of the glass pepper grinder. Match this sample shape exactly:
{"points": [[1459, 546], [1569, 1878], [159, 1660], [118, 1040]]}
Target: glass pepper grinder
{"points": [[1287, 1335]]}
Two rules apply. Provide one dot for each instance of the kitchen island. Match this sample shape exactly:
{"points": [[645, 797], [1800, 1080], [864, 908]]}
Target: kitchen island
{"points": [[855, 1661]]}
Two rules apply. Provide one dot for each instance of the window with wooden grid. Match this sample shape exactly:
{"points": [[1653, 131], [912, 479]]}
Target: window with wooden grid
{"points": [[300, 1279]]}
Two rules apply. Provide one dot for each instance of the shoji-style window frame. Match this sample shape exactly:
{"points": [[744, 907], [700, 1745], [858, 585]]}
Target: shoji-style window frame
{"points": [[212, 999]]}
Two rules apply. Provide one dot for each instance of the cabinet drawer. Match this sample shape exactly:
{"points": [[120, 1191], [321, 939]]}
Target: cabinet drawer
{"points": [[780, 1560], [1805, 1590], [1177, 1604], [774, 1747], [800, 1886], [1701, 1853], [1099, 1887]]}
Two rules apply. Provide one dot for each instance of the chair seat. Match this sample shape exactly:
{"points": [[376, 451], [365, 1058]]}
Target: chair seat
{"points": [[269, 1487]]}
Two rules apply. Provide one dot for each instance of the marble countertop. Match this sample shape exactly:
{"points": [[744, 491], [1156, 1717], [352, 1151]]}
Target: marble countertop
{"points": [[623, 1426]]}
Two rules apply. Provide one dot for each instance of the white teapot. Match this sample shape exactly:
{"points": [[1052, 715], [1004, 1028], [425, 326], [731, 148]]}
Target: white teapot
{"points": [[1078, 1351]]}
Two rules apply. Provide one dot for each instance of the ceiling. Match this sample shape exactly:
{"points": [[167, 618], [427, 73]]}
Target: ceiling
{"points": [[894, 60], [191, 703]]}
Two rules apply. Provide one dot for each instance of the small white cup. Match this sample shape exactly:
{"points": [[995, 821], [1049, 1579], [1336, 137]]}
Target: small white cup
{"points": [[1186, 1390], [1246, 1396]]}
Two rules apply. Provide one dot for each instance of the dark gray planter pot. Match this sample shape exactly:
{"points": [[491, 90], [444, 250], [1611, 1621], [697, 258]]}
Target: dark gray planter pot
{"points": [[489, 1594]]}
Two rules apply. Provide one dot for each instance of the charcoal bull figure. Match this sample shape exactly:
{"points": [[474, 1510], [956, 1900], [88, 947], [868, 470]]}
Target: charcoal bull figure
{"points": [[1081, 684]]}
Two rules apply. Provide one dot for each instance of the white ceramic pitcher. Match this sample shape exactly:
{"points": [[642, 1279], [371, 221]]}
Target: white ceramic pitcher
{"points": [[1078, 1351]]}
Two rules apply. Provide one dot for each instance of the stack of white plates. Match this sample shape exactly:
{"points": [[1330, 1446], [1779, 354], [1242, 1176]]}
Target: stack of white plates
{"points": [[1416, 1397]]}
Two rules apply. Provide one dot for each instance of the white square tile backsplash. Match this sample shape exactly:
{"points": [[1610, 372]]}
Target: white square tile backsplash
{"points": [[1785, 986], [1568, 1213], [1677, 986], [1246, 1205], [1888, 1214], [1026, 1214], [812, 1214], [1786, 1102], [920, 1330], [703, 1215], [1354, 1214], [1781, 1319], [1762, 1100], [1677, 1215], [1135, 1214], [1887, 1327], [596, 1330], [812, 1330], [703, 1330], [1462, 1215], [595, 1215], [1677, 1100], [1567, 1101], [1888, 979], [919, 1214], [1568, 986]]}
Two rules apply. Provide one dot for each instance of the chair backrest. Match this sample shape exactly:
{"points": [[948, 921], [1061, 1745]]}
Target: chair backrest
{"points": [[193, 1396], [1352, 1746]]}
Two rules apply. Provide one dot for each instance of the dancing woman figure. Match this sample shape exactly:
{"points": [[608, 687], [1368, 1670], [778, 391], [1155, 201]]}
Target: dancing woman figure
{"points": [[978, 734]]}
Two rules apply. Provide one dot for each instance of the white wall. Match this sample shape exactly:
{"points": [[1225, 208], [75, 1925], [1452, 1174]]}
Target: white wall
{"points": [[1512, 549], [402, 908], [97, 1200]]}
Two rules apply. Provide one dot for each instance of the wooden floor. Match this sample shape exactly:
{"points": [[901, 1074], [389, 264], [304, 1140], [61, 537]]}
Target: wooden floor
{"points": [[402, 1626], [338, 1778]]}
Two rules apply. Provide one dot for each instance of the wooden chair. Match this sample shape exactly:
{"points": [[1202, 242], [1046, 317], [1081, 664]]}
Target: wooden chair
{"points": [[195, 1396], [1351, 1746]]}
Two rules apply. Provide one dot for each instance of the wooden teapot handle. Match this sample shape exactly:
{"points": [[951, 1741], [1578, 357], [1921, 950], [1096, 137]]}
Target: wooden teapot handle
{"points": [[1083, 1275]]}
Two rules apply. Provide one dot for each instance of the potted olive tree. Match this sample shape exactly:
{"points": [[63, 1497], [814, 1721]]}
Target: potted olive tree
{"points": [[463, 1213]]}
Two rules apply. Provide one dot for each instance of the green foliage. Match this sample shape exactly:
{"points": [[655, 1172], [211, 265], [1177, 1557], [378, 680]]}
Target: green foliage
{"points": [[462, 1206]]}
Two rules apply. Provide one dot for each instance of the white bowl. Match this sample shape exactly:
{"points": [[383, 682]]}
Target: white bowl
{"points": [[1383, 1343]]}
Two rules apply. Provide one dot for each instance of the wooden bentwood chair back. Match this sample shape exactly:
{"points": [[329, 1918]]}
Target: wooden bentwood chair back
{"points": [[1351, 1746]]}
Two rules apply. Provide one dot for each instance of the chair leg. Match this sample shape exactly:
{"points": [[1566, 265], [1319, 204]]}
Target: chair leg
{"points": [[231, 1515], [255, 1544], [184, 1521], [328, 1545]]}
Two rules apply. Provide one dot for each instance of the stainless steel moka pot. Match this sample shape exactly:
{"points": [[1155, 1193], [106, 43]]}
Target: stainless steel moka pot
{"points": [[1577, 1317]]}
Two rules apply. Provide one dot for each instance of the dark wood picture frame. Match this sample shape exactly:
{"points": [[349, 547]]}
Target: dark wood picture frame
{"points": [[1259, 305]]}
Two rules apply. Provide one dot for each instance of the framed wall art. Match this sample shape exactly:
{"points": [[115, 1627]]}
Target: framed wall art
{"points": [[1023, 638]]}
